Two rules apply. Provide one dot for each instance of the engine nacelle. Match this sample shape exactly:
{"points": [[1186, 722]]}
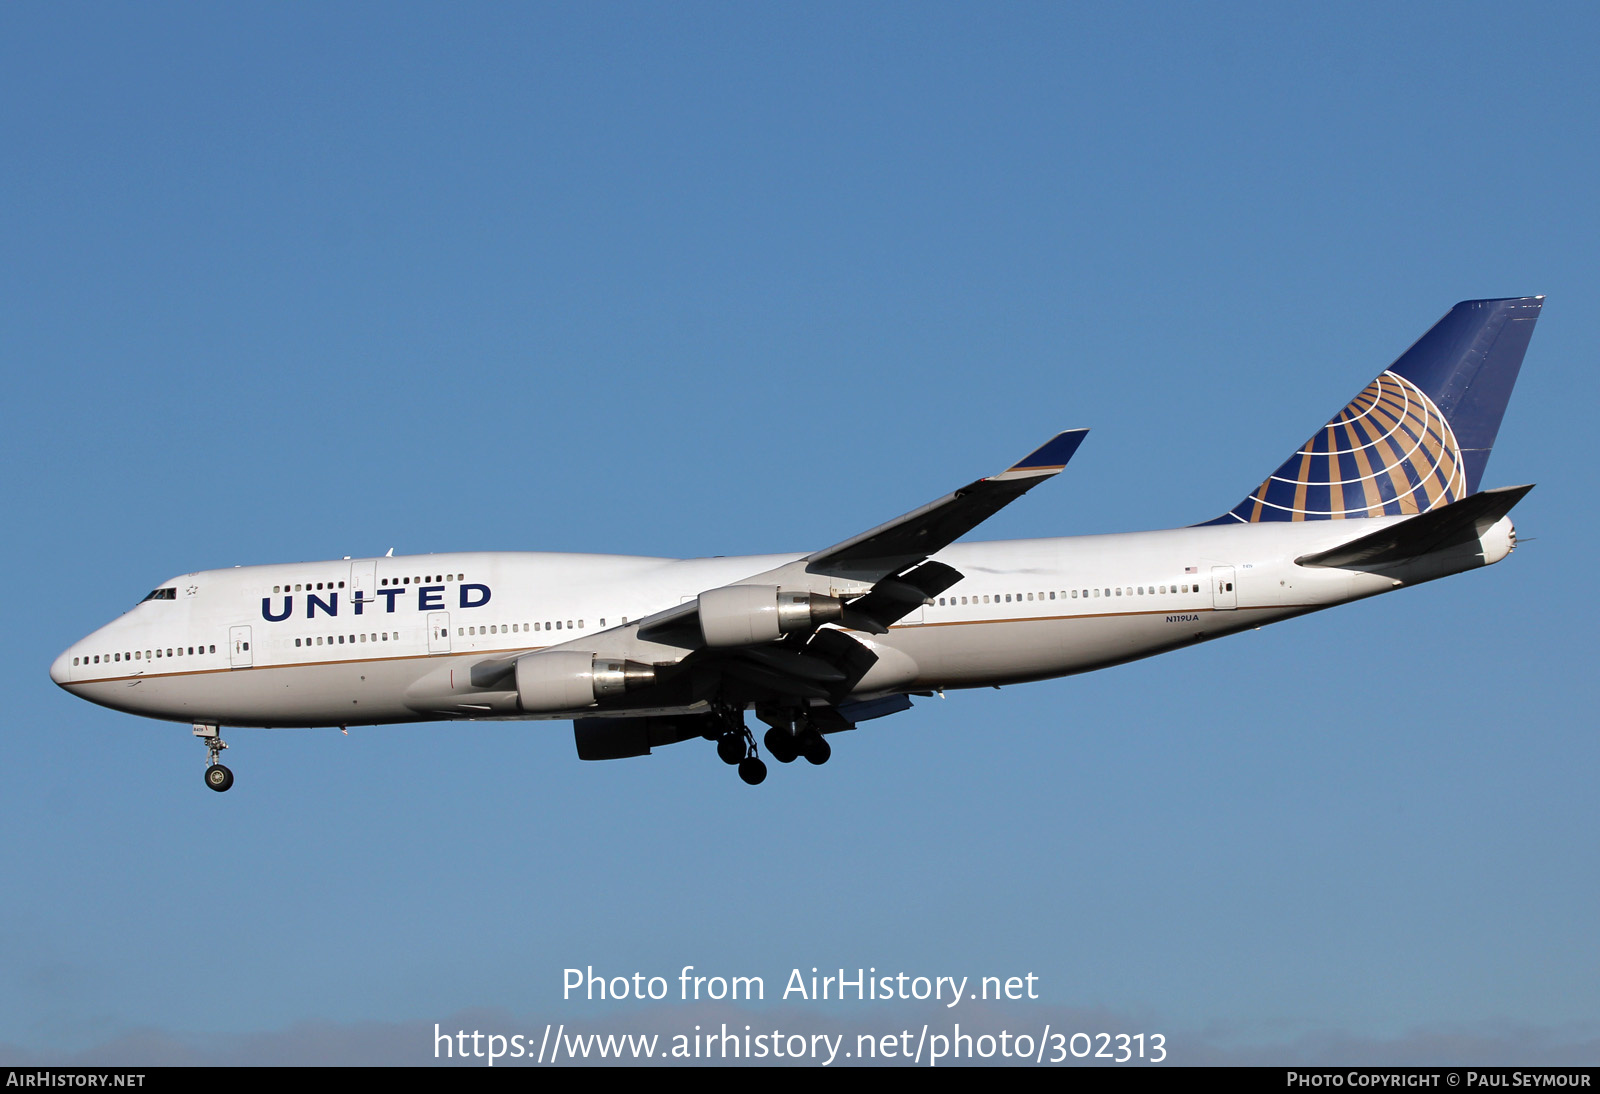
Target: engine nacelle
{"points": [[559, 680], [747, 615]]}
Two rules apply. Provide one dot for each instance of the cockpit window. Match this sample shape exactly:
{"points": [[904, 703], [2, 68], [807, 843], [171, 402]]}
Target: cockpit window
{"points": [[163, 594]]}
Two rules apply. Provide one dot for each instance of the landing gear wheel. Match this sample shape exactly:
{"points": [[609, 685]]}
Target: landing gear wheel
{"points": [[780, 742], [817, 749], [730, 748], [752, 770], [218, 777]]}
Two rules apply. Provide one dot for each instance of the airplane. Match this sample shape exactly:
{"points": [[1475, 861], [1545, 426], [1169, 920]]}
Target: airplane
{"points": [[644, 652]]}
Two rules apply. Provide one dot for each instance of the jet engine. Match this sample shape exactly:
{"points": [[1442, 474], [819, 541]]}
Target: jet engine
{"points": [[746, 615], [558, 680]]}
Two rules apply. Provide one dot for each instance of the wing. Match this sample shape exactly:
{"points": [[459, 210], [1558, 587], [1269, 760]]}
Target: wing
{"points": [[887, 568], [890, 548]]}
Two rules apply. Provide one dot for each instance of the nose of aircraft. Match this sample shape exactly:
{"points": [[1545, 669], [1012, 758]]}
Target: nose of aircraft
{"points": [[59, 669]]}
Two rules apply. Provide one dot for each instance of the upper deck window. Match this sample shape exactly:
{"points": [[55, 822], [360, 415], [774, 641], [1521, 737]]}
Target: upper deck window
{"points": [[163, 594]]}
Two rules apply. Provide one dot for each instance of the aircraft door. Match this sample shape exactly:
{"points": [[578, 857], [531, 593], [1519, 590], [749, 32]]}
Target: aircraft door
{"points": [[1224, 597], [364, 581], [239, 647], [438, 632]]}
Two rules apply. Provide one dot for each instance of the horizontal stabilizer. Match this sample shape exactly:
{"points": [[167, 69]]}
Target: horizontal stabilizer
{"points": [[1449, 525]]}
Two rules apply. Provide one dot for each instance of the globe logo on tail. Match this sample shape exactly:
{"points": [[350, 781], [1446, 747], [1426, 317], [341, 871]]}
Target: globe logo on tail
{"points": [[1390, 452]]}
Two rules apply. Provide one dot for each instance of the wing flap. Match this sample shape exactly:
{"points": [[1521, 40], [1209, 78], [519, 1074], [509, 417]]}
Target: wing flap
{"points": [[893, 598]]}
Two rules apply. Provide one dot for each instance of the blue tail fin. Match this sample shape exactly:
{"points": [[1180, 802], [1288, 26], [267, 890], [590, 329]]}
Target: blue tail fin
{"points": [[1418, 436]]}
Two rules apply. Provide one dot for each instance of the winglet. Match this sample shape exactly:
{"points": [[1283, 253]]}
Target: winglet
{"points": [[1049, 458]]}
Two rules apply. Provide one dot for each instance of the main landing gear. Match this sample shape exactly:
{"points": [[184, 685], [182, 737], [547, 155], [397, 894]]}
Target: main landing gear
{"points": [[804, 739], [792, 736], [218, 777], [736, 746]]}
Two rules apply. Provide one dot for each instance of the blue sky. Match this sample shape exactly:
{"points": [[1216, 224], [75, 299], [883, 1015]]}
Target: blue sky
{"points": [[286, 283]]}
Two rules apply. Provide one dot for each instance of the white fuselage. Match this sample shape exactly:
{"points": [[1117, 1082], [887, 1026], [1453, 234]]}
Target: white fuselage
{"points": [[350, 642]]}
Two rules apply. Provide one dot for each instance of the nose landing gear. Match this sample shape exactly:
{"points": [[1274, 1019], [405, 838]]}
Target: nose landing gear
{"points": [[218, 777]]}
